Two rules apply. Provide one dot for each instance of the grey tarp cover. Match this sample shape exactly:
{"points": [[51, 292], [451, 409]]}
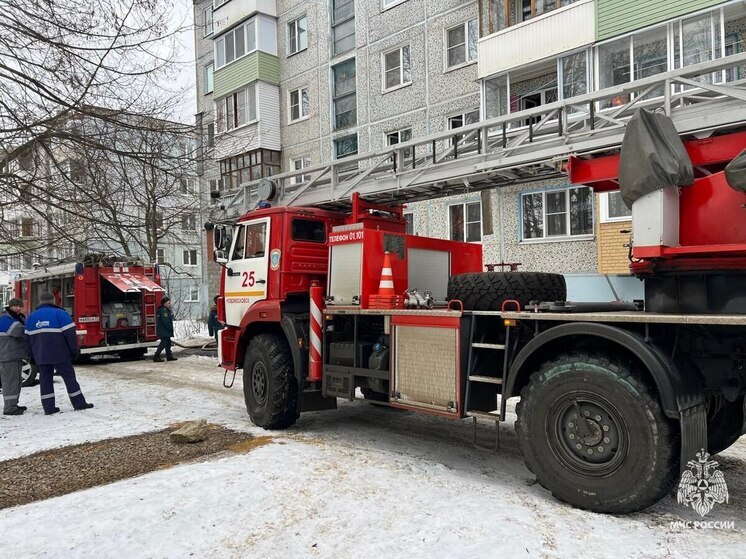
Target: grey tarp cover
{"points": [[735, 172], [653, 157]]}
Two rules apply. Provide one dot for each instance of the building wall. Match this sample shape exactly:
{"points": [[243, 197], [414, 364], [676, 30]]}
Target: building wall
{"points": [[614, 17]]}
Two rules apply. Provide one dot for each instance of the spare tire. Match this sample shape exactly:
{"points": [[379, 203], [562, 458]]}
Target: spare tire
{"points": [[486, 291]]}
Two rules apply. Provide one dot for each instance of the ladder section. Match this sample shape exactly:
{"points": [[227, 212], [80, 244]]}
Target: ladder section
{"points": [[517, 147], [487, 363], [149, 310]]}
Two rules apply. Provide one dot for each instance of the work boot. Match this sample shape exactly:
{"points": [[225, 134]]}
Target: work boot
{"points": [[85, 406], [157, 359], [24, 408], [17, 411], [172, 358], [52, 411]]}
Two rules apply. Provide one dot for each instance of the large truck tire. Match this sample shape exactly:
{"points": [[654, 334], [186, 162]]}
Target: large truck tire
{"points": [[486, 291], [269, 385], [593, 433], [725, 426], [29, 374]]}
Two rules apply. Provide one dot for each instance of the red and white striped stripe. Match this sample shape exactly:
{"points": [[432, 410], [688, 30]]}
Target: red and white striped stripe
{"points": [[317, 303]]}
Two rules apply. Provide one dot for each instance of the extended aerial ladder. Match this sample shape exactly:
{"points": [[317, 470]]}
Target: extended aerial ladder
{"points": [[515, 148]]}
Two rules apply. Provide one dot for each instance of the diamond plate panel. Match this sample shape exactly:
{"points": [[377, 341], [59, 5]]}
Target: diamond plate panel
{"points": [[426, 365]]}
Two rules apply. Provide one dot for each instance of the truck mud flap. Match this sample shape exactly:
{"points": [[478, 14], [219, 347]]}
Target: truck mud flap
{"points": [[693, 423], [314, 400]]}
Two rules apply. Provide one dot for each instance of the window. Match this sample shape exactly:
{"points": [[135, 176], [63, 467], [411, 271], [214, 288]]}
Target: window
{"points": [[465, 222], [299, 104], [159, 223], [187, 185], [208, 79], [235, 43], [343, 26], [344, 147], [248, 167], [462, 44], [344, 94], [188, 222], [192, 294], [255, 240], [236, 109], [464, 119], [613, 207], [298, 164], [297, 35], [28, 228], [396, 68], [532, 8], [390, 3], [409, 218], [160, 256], [561, 213], [398, 137], [207, 21], [309, 230], [189, 257], [574, 74], [211, 135]]}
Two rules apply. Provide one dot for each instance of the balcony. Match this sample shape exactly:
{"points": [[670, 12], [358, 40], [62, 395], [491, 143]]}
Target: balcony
{"points": [[540, 37], [226, 15]]}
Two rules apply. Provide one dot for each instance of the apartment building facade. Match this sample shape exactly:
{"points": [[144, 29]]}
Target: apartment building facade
{"points": [[356, 75]]}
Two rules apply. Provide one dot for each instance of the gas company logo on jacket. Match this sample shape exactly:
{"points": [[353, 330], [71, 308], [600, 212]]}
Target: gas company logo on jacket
{"points": [[42, 324]]}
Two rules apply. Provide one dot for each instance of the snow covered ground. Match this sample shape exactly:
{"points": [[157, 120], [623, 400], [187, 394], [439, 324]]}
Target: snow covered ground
{"points": [[360, 481]]}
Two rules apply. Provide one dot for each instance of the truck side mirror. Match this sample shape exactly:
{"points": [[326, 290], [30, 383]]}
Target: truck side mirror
{"points": [[218, 237], [220, 256]]}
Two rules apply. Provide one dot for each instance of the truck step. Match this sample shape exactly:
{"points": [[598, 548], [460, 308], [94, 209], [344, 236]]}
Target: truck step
{"points": [[482, 345], [490, 380], [492, 416]]}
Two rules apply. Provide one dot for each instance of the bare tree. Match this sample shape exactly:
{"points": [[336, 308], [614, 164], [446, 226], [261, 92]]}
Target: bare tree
{"points": [[80, 80]]}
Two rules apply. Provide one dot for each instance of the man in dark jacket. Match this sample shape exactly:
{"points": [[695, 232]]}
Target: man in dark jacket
{"points": [[53, 345], [213, 324], [13, 351], [165, 330]]}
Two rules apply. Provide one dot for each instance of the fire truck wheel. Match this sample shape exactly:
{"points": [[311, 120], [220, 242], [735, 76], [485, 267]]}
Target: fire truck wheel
{"points": [[29, 373], [593, 433], [725, 426], [269, 385], [486, 291]]}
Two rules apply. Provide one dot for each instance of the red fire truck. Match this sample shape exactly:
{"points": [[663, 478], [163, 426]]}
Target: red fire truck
{"points": [[614, 397], [113, 303]]}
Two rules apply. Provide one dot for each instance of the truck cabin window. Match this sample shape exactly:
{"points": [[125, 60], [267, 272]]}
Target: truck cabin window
{"points": [[309, 231], [250, 241]]}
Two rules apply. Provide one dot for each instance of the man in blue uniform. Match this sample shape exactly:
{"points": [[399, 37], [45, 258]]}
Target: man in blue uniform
{"points": [[13, 351], [165, 330], [214, 326], [54, 345]]}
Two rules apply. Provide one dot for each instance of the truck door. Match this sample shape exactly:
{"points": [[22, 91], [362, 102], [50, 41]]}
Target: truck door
{"points": [[248, 267]]}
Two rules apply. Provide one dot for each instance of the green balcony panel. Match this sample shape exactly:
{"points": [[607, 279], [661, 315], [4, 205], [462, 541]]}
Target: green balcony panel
{"points": [[614, 17], [255, 66]]}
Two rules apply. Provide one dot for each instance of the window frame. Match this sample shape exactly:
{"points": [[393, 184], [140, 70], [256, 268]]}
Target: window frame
{"points": [[336, 98], [603, 204], [464, 204], [250, 102], [189, 252], [208, 78], [191, 289], [305, 161], [568, 237], [189, 222], [411, 230], [337, 24], [467, 62], [205, 32], [301, 115], [294, 25], [390, 4], [220, 52], [339, 139], [385, 70]]}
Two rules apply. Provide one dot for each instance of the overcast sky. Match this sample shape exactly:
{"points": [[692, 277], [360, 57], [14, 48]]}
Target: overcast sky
{"points": [[183, 19]]}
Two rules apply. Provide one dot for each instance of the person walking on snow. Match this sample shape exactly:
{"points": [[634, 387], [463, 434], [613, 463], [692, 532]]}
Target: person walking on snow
{"points": [[165, 330], [54, 345], [13, 350]]}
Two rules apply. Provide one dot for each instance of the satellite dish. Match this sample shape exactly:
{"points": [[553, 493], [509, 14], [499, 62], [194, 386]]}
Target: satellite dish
{"points": [[266, 189]]}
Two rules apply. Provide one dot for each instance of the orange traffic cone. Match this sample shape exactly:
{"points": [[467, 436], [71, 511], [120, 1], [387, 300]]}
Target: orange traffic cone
{"points": [[386, 298], [386, 285]]}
